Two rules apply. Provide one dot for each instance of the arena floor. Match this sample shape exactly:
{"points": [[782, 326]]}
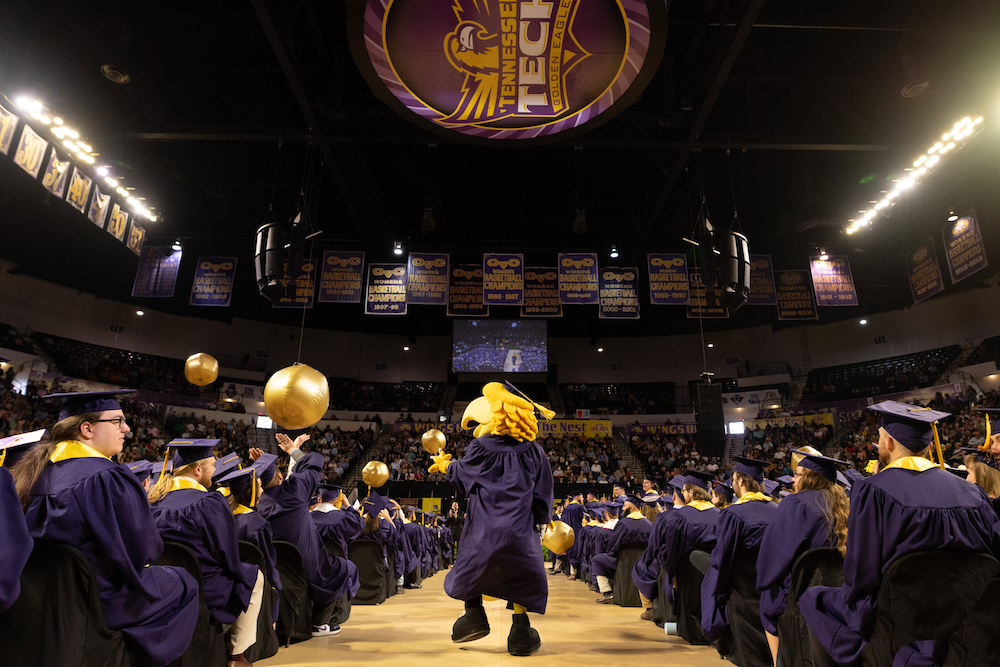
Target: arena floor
{"points": [[415, 629]]}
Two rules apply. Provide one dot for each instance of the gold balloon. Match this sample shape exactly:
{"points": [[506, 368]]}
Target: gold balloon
{"points": [[201, 369], [297, 397], [375, 473], [558, 537], [433, 441], [797, 458]]}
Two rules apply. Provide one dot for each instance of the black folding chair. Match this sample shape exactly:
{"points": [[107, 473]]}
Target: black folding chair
{"points": [[294, 604], [267, 638]]}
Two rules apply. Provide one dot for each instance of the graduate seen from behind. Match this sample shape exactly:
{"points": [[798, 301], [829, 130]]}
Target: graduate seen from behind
{"points": [[508, 481]]}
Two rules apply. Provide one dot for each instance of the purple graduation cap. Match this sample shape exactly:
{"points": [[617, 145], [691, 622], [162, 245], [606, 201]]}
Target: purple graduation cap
{"points": [[752, 467], [375, 503], [771, 487], [824, 465], [142, 469], [677, 483], [265, 465], [330, 491], [723, 489], [12, 448], [982, 457], [225, 465], [238, 480], [910, 425], [614, 509], [192, 451], [700, 479], [82, 402], [787, 480]]}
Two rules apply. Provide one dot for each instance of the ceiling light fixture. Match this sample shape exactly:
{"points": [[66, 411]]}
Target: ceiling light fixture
{"points": [[822, 255], [176, 246], [600, 350], [397, 248], [952, 217], [711, 344], [614, 252], [863, 322]]}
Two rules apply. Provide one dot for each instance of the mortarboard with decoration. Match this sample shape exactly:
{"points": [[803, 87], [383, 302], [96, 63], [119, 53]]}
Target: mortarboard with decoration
{"points": [[911, 426], [83, 402], [374, 504], [751, 467], [13, 447]]}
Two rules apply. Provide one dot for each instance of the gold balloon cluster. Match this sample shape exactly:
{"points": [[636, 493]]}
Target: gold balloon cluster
{"points": [[375, 473], [297, 397], [433, 441], [201, 369], [558, 537]]}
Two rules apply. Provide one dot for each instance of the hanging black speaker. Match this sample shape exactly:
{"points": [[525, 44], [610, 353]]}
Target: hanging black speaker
{"points": [[269, 259], [734, 270]]}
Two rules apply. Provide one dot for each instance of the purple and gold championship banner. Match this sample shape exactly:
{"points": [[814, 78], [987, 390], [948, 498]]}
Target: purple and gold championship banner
{"points": [[8, 125], [213, 282], [832, 281], [79, 190], [427, 278], [56, 174], [302, 278], [341, 280], [795, 296], [963, 246], [668, 279], [541, 293], [136, 237], [761, 282], [99, 206], [465, 292], [156, 276], [386, 293], [503, 279], [924, 272], [702, 305], [30, 151], [579, 278], [619, 293]]}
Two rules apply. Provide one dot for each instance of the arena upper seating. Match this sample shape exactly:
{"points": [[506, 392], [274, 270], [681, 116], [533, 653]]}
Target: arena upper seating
{"points": [[879, 376], [988, 350], [627, 398]]}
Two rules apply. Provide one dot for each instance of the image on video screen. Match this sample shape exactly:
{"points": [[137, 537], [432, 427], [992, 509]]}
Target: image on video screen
{"points": [[510, 346]]}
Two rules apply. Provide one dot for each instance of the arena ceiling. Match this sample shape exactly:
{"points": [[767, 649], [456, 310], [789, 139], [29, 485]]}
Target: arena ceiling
{"points": [[794, 110]]}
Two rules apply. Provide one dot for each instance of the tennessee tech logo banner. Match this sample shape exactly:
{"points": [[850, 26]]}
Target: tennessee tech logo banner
{"points": [[213, 281], [619, 293], [503, 279], [341, 277], [578, 278], [427, 278], [495, 69], [465, 291], [541, 293], [386, 289]]}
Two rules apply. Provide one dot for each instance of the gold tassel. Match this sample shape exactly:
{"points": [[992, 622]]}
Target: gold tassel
{"points": [[166, 458], [937, 445], [253, 492]]}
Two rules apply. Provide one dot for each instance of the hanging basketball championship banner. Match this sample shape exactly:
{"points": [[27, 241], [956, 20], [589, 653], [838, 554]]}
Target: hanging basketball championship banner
{"points": [[8, 124], [99, 206], [30, 151], [79, 190], [136, 237], [503, 279], [963, 246], [832, 281], [427, 278], [156, 276], [213, 282], [56, 174], [668, 279], [761, 282], [494, 70], [386, 294], [795, 297], [619, 294], [302, 281], [342, 276], [579, 278], [465, 292], [924, 272], [702, 304], [541, 293]]}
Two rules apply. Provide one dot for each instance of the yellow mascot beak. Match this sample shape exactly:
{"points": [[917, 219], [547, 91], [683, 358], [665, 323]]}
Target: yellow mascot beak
{"points": [[478, 411]]}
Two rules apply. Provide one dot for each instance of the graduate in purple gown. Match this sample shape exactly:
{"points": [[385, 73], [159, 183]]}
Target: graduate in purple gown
{"points": [[414, 535], [646, 571], [633, 528], [185, 511], [75, 495], [508, 481], [910, 505], [336, 521], [16, 543], [572, 516], [814, 516], [285, 504], [378, 525]]}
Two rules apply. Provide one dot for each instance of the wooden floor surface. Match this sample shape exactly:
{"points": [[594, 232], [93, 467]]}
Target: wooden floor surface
{"points": [[415, 629]]}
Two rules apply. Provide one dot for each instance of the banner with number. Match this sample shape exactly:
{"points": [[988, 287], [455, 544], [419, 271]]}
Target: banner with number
{"points": [[117, 222], [427, 278], [832, 281], [136, 237], [99, 206], [56, 174], [465, 292], [761, 282], [541, 293], [963, 246], [703, 305], [213, 282], [156, 276], [503, 279], [668, 279], [579, 279], [79, 190], [342, 276], [795, 297], [30, 151], [924, 272], [619, 294], [386, 294], [8, 125], [302, 277]]}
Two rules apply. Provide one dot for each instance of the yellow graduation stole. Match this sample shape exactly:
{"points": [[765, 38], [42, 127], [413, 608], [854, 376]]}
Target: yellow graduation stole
{"points": [[74, 449], [242, 509], [752, 496], [914, 463], [635, 515], [700, 505], [185, 483]]}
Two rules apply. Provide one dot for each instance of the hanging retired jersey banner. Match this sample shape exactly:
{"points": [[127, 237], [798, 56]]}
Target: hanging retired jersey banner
{"points": [[832, 281], [386, 289], [465, 292], [489, 70], [761, 282], [427, 278], [703, 304], [963, 246], [56, 174], [8, 124], [300, 285], [99, 206], [117, 222], [579, 280], [541, 293], [795, 296], [79, 190], [924, 272], [668, 279], [156, 276], [213, 282], [30, 151], [503, 279], [136, 237], [619, 293], [342, 276]]}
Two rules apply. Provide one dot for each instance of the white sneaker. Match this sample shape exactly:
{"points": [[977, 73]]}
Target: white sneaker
{"points": [[325, 630], [670, 629]]}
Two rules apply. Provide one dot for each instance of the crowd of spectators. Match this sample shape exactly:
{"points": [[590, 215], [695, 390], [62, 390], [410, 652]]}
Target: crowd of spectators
{"points": [[578, 460], [882, 376], [348, 394], [620, 399]]}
